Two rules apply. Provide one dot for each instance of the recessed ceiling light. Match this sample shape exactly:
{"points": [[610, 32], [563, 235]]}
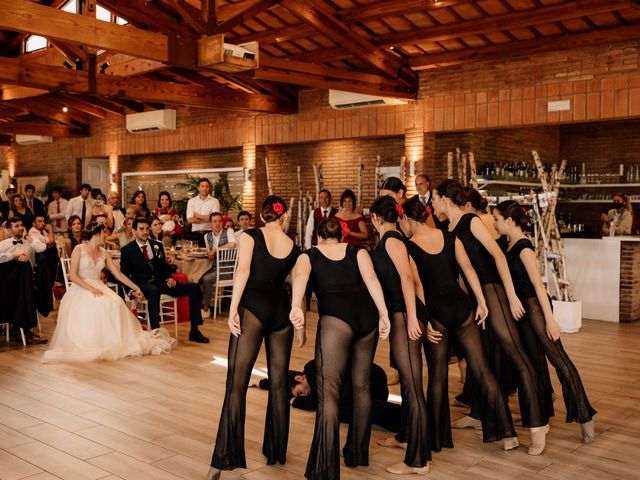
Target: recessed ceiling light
{"points": [[65, 109]]}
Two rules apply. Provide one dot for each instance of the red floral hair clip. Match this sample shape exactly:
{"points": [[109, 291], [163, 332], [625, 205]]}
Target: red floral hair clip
{"points": [[524, 210], [345, 228], [399, 209], [428, 209], [278, 208]]}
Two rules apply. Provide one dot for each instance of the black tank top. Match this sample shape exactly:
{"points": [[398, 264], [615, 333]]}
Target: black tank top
{"points": [[521, 281], [388, 274], [481, 259], [340, 290]]}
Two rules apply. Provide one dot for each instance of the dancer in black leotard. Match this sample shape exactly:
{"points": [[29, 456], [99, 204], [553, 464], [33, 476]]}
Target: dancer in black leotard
{"points": [[391, 262], [538, 328], [346, 337], [438, 256], [502, 301], [259, 310]]}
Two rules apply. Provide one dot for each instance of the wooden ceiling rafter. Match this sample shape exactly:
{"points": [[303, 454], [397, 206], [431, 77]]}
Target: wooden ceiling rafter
{"points": [[47, 129]]}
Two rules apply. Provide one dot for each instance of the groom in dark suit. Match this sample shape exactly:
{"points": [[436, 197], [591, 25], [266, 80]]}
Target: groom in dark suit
{"points": [[143, 261]]}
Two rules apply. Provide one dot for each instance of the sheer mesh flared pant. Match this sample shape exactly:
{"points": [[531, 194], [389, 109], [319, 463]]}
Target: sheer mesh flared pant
{"points": [[407, 354], [534, 335], [339, 349], [503, 325], [492, 402], [243, 351]]}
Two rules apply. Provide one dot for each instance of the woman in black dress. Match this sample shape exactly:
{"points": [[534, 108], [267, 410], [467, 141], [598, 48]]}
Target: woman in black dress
{"points": [[439, 257], [346, 337], [538, 328], [391, 262], [504, 306], [259, 310]]}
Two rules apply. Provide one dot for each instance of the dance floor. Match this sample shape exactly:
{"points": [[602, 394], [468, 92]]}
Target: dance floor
{"points": [[156, 417]]}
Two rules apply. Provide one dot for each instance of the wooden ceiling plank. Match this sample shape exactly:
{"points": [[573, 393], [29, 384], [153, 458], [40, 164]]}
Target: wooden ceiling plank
{"points": [[47, 112], [315, 81], [520, 19], [254, 8], [527, 47], [79, 105], [278, 35], [209, 14], [15, 92], [47, 129], [388, 8], [25, 16], [190, 14]]}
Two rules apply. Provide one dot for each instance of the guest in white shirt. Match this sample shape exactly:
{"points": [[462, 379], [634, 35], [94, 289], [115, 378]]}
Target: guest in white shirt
{"points": [[43, 232], [217, 239], [81, 205], [118, 212], [199, 210], [18, 243], [56, 212], [244, 220], [325, 210]]}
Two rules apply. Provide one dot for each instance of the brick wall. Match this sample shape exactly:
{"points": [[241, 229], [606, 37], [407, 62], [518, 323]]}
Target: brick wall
{"points": [[629, 282]]}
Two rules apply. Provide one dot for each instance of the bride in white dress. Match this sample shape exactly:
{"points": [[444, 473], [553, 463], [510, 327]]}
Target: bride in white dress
{"points": [[93, 321]]}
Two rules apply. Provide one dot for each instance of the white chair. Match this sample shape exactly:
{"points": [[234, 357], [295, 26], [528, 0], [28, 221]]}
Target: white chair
{"points": [[226, 262], [168, 311], [6, 330]]}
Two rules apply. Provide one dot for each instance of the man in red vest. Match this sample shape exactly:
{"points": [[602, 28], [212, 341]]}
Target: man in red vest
{"points": [[325, 210]]}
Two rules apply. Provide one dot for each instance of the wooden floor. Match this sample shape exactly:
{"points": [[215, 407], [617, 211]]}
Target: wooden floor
{"points": [[156, 418]]}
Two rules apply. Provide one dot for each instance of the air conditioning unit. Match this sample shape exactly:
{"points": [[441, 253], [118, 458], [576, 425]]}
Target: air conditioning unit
{"points": [[238, 51], [32, 139], [151, 121], [342, 100]]}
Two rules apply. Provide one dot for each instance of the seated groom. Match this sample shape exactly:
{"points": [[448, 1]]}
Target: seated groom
{"points": [[143, 261]]}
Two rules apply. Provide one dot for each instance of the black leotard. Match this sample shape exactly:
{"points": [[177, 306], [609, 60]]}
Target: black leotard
{"points": [[388, 274], [521, 281], [481, 259], [264, 294], [341, 292], [445, 299]]}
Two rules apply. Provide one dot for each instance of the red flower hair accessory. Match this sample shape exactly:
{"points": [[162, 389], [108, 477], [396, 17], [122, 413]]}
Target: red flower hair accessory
{"points": [[278, 208], [524, 210], [428, 209], [345, 228], [399, 209]]}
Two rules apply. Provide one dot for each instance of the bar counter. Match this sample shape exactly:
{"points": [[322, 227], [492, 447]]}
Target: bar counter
{"points": [[605, 275]]}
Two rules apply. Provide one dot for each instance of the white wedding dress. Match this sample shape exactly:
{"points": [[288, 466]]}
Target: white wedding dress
{"points": [[100, 327]]}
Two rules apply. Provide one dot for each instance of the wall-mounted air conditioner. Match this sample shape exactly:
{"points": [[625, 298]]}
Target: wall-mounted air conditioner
{"points": [[32, 139], [342, 100], [151, 121]]}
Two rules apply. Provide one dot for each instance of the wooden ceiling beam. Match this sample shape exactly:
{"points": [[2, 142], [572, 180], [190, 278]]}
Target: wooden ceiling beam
{"points": [[93, 106], [308, 11], [16, 92], [526, 47], [55, 24], [251, 10], [190, 14], [278, 35], [377, 10], [209, 14], [75, 105], [49, 112], [126, 65], [316, 81], [322, 56], [47, 129], [507, 21]]}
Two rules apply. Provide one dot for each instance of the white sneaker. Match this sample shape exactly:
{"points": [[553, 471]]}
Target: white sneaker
{"points": [[205, 313]]}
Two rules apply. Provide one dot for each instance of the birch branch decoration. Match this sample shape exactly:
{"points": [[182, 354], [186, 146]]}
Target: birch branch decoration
{"points": [[269, 186], [450, 165], [473, 170], [377, 177], [359, 174], [464, 169]]}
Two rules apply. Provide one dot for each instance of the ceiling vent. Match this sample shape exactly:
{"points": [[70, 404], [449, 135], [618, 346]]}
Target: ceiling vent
{"points": [[340, 100], [32, 139], [151, 121]]}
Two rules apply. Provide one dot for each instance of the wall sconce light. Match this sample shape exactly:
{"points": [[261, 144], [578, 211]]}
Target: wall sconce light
{"points": [[412, 168], [104, 66], [112, 178], [248, 174]]}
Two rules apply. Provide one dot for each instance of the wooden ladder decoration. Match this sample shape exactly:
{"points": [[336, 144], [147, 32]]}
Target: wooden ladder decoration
{"points": [[553, 261]]}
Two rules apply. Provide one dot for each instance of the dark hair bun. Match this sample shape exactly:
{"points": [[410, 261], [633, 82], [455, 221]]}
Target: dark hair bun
{"points": [[394, 184], [273, 208], [513, 210], [452, 190], [330, 228], [385, 207], [416, 210], [475, 198], [93, 229]]}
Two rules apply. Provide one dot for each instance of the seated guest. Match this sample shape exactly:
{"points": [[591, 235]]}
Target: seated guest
{"points": [[3, 231], [157, 232], [169, 217], [101, 207], [304, 391], [81, 205], [139, 199], [356, 231], [43, 232], [244, 220], [218, 238], [17, 297], [118, 212], [20, 210], [56, 212], [6, 205], [143, 261], [127, 235], [75, 235], [31, 202], [227, 222], [131, 212]]}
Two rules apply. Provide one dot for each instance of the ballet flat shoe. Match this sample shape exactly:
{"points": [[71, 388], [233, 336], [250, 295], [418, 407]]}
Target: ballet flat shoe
{"points": [[538, 439], [588, 431], [214, 474], [510, 443], [468, 422], [403, 469], [391, 442]]}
